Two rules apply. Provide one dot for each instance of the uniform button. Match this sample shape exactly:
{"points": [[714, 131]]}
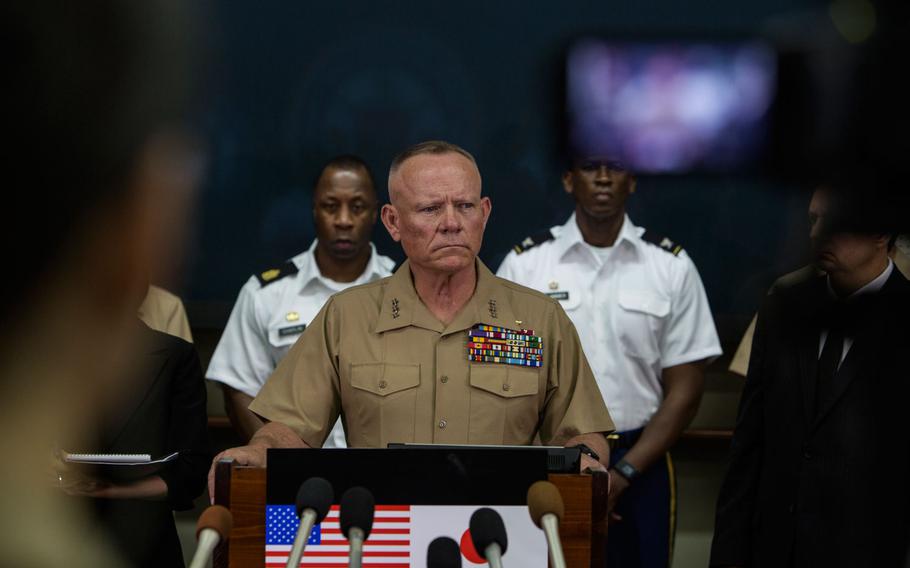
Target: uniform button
{"points": [[506, 387], [443, 379], [442, 423], [383, 384]]}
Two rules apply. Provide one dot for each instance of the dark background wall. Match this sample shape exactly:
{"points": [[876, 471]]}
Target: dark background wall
{"points": [[294, 83]]}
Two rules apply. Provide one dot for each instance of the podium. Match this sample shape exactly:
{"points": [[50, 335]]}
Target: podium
{"points": [[243, 490]]}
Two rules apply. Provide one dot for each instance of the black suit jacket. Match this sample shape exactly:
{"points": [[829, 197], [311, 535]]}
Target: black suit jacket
{"points": [[162, 410], [821, 482]]}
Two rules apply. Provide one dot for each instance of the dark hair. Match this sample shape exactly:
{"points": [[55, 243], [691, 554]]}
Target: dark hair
{"points": [[856, 206], [434, 147], [348, 163], [88, 83]]}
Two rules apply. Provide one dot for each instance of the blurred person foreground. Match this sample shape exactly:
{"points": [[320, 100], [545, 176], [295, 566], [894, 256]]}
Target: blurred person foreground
{"points": [[96, 94]]}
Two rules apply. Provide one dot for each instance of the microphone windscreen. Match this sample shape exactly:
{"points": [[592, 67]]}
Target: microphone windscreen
{"points": [[486, 528], [315, 493], [217, 518], [356, 511], [443, 552], [543, 498]]}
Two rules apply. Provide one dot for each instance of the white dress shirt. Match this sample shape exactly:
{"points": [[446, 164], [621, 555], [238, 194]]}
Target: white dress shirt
{"points": [[267, 320], [638, 309], [871, 288]]}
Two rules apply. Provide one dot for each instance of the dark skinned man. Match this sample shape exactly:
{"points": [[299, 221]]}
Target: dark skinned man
{"points": [[275, 305], [646, 327]]}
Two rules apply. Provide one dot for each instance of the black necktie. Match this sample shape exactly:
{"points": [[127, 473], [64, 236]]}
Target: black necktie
{"points": [[829, 362]]}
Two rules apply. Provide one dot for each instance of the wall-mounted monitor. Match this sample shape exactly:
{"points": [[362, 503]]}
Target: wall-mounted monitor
{"points": [[671, 107]]}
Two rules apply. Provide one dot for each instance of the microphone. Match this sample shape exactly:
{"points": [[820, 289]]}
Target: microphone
{"points": [[546, 508], [489, 536], [443, 552], [356, 520], [314, 498], [214, 525]]}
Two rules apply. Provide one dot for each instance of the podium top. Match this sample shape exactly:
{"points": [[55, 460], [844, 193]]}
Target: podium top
{"points": [[427, 476]]}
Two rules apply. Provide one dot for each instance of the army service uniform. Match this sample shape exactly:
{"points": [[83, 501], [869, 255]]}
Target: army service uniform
{"points": [[272, 310], [639, 307], [376, 356]]}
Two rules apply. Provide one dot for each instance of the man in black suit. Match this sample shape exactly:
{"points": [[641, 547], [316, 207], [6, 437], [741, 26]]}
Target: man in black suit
{"points": [[820, 464]]}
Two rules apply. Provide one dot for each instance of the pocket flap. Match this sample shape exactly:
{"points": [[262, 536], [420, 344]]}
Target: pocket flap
{"points": [[384, 379], [507, 381], [645, 302]]}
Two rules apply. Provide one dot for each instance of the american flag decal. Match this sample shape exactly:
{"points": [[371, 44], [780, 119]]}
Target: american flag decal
{"points": [[388, 546]]}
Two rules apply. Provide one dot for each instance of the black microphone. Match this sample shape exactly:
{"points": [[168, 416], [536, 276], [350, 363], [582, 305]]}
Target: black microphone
{"points": [[314, 499], [356, 520], [443, 552], [488, 534]]}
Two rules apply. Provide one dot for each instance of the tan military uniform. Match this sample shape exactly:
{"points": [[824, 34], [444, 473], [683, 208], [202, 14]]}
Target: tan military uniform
{"points": [[376, 355], [163, 311]]}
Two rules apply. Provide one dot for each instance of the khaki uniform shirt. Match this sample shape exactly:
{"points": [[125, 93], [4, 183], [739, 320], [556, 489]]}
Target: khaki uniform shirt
{"points": [[378, 357], [163, 311]]}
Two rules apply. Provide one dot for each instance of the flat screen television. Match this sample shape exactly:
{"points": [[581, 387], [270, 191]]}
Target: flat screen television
{"points": [[671, 107]]}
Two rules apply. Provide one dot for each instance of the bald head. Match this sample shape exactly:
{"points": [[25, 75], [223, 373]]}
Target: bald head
{"points": [[428, 148], [436, 211]]}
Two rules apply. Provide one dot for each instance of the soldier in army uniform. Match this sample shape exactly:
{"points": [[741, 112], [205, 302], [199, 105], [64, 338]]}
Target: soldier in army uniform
{"points": [[393, 358]]}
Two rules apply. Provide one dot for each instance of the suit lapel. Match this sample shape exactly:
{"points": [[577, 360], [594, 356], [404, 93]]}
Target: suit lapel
{"points": [[848, 371], [808, 339], [866, 340]]}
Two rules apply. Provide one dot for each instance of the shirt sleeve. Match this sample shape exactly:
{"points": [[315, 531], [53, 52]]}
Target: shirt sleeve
{"points": [[574, 404], [304, 391], [507, 269], [187, 432], [241, 359], [690, 334]]}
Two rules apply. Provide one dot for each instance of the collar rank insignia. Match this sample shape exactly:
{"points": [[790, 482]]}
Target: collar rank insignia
{"points": [[492, 344], [396, 311]]}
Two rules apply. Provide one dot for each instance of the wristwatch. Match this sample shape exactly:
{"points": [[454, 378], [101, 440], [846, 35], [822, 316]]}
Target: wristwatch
{"points": [[587, 451], [626, 470]]}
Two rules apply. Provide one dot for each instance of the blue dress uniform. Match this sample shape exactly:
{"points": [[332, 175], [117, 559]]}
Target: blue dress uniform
{"points": [[639, 307]]}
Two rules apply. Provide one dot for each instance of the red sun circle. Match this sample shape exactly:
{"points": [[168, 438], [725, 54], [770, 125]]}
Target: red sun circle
{"points": [[468, 550]]}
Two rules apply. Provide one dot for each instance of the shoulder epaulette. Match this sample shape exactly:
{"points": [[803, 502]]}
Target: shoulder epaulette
{"points": [[662, 242], [266, 277], [533, 241]]}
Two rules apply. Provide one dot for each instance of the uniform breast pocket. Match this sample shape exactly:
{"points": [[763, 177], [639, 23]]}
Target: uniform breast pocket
{"points": [[381, 403], [281, 339], [504, 404], [639, 322]]}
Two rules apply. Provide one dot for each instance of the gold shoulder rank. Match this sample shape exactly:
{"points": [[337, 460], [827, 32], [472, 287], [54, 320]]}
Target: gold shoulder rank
{"points": [[662, 242], [266, 277], [530, 242]]}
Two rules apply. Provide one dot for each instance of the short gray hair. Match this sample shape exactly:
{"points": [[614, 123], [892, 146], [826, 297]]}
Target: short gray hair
{"points": [[434, 147]]}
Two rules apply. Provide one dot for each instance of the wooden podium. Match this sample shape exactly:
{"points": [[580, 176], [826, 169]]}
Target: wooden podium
{"points": [[243, 491]]}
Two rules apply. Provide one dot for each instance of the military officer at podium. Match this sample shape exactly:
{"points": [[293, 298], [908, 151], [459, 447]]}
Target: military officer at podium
{"points": [[442, 351]]}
